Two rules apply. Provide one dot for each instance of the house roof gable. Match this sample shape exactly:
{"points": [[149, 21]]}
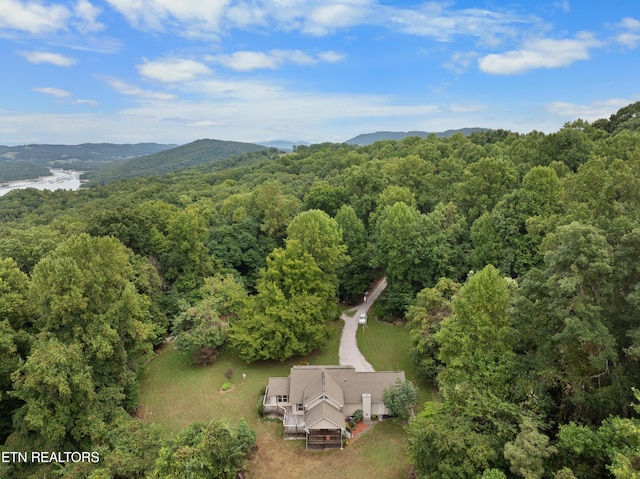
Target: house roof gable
{"points": [[323, 386], [323, 414], [305, 379]]}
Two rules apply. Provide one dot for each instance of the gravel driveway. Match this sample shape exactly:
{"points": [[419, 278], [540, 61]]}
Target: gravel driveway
{"points": [[349, 353]]}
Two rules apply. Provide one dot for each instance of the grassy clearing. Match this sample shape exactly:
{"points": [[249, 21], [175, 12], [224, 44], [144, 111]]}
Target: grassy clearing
{"points": [[174, 393], [380, 452], [388, 348]]}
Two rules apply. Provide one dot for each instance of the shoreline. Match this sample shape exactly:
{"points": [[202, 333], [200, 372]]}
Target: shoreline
{"points": [[59, 179]]}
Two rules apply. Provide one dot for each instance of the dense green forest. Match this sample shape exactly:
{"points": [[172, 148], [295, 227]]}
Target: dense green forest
{"points": [[21, 170], [513, 258]]}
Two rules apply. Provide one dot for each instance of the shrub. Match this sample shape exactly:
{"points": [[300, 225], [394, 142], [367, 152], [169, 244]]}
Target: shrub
{"points": [[401, 398], [226, 386], [246, 438], [358, 415], [205, 356], [260, 405]]}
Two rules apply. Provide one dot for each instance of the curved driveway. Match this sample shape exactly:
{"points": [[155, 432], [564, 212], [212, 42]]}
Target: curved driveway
{"points": [[349, 353]]}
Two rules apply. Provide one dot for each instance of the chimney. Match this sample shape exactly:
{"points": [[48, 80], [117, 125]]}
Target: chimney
{"points": [[366, 406]]}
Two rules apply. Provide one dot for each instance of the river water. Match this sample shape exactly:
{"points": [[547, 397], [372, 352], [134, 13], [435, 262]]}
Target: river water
{"points": [[60, 180]]}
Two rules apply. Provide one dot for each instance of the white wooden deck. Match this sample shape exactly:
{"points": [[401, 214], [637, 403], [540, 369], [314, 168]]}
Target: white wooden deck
{"points": [[293, 423]]}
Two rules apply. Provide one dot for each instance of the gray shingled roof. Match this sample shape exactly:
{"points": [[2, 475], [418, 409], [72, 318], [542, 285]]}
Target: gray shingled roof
{"points": [[323, 385], [278, 386], [324, 416], [353, 384]]}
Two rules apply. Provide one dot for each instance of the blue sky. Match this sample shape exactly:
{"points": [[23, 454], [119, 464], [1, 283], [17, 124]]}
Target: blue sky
{"points": [[172, 71]]}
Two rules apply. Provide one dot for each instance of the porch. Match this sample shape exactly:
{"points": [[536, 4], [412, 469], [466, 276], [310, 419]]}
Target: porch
{"points": [[294, 426], [271, 407], [324, 439]]}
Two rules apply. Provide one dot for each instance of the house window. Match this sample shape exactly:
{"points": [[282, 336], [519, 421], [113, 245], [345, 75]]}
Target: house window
{"points": [[282, 398], [299, 407]]}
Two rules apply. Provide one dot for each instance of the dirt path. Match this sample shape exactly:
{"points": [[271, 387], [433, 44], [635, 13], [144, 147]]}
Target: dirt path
{"points": [[349, 353]]}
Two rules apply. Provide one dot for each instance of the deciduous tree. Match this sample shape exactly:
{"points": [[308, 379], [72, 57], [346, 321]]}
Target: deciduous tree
{"points": [[288, 315], [84, 293], [401, 398], [202, 451], [476, 342]]}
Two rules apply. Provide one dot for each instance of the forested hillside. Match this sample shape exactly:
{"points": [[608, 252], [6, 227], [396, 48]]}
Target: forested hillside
{"points": [[31, 161], [512, 257], [369, 138], [185, 156]]}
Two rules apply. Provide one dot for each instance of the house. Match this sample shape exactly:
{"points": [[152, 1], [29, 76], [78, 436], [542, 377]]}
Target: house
{"points": [[314, 401]]}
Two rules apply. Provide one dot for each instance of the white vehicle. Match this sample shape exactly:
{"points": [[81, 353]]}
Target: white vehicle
{"points": [[362, 319]]}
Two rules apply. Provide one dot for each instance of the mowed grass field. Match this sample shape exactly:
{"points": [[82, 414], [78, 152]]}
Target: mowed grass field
{"points": [[388, 348], [175, 393]]}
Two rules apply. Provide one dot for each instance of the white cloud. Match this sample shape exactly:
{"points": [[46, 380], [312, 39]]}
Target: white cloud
{"points": [[57, 92], [437, 20], [588, 112], [280, 114], [33, 17], [248, 60], [295, 56], [630, 23], [87, 15], [271, 113], [37, 18], [467, 108], [212, 18], [331, 17], [460, 61], [173, 70], [630, 34], [273, 59], [190, 17], [540, 53], [132, 90], [331, 57], [628, 39], [81, 101], [48, 57]]}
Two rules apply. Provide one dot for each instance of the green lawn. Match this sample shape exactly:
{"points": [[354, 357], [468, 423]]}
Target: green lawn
{"points": [[388, 348], [175, 393], [380, 452]]}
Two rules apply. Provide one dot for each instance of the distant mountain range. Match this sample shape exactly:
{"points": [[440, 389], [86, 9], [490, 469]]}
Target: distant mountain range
{"points": [[65, 154], [369, 138], [105, 162], [32, 161], [192, 154], [282, 145]]}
